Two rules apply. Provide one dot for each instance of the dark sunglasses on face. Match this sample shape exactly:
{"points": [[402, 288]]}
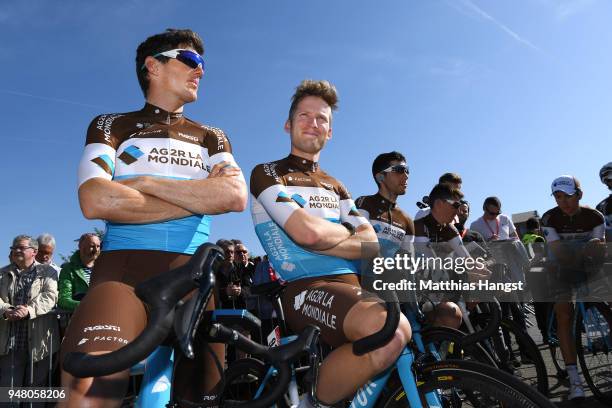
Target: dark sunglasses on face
{"points": [[398, 168], [494, 213], [190, 58], [21, 248], [454, 204]]}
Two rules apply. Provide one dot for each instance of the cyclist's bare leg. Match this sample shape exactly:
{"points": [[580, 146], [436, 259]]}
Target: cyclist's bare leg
{"points": [[445, 314], [342, 372], [106, 392], [564, 313]]}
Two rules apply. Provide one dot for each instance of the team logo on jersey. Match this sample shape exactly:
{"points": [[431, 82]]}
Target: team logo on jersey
{"points": [[299, 300], [285, 198], [377, 228], [105, 162], [353, 211], [130, 155]]}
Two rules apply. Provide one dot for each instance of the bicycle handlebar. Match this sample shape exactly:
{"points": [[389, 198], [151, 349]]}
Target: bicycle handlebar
{"points": [[489, 330], [384, 335], [161, 294]]}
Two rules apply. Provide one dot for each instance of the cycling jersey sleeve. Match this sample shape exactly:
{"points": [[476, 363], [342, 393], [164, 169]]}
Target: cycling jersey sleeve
{"points": [[98, 159], [219, 148], [407, 243], [268, 188], [348, 209]]}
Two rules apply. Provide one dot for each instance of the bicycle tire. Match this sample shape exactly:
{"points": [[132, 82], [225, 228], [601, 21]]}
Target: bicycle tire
{"points": [[595, 361], [528, 347], [446, 339], [467, 383]]}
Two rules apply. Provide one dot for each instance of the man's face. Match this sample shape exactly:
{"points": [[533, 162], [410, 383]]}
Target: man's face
{"points": [[229, 253], [492, 211], [23, 253], [90, 247], [567, 203], [609, 182], [242, 254], [179, 79], [310, 126], [446, 210], [45, 253], [463, 213], [395, 182]]}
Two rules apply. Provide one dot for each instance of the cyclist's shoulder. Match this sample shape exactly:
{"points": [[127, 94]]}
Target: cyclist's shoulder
{"points": [[267, 174], [550, 215], [214, 138], [108, 126], [591, 215], [605, 205]]}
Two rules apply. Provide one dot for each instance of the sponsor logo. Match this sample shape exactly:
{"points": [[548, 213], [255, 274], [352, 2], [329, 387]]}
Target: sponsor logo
{"points": [[139, 125], [291, 178], [299, 300], [105, 163], [361, 398], [274, 241], [221, 139], [130, 155], [161, 385], [102, 327], [377, 228], [325, 201], [288, 266], [177, 157], [188, 137], [299, 200], [353, 211], [327, 186], [318, 301], [83, 341], [285, 198], [104, 125], [110, 338]]}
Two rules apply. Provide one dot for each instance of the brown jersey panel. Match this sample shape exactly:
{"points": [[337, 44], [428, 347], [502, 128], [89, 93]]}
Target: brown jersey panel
{"points": [[586, 220], [264, 176], [428, 227]]}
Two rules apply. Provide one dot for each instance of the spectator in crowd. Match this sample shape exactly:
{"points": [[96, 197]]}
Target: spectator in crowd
{"points": [[242, 260], [533, 234], [28, 332], [46, 248], [493, 225], [236, 279], [264, 273], [75, 274], [467, 235]]}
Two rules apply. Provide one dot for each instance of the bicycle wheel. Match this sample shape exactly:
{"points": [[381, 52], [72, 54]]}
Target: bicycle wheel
{"points": [[445, 340], [467, 384], [595, 354], [243, 378], [532, 369]]}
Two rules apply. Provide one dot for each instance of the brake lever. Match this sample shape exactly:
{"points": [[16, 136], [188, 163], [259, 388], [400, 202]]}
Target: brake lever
{"points": [[195, 308]]}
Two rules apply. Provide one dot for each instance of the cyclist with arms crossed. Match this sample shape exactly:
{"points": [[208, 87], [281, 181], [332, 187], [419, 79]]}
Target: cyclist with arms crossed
{"points": [[311, 230], [570, 230], [155, 177]]}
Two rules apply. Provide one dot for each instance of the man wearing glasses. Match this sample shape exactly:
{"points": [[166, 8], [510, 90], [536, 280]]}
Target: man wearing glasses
{"points": [[493, 225], [155, 177], [394, 228], [28, 290]]}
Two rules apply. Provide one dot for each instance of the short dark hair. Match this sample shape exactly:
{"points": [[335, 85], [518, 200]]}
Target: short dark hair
{"points": [[308, 87], [450, 178], [168, 40], [382, 161], [224, 243], [532, 223], [444, 191], [236, 242], [491, 201]]}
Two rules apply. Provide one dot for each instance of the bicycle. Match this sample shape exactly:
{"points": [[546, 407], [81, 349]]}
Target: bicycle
{"points": [[162, 294]]}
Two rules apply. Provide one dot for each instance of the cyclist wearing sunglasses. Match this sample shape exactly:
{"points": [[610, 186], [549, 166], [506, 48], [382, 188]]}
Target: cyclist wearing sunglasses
{"points": [[394, 228], [437, 237], [155, 177], [311, 230], [605, 206]]}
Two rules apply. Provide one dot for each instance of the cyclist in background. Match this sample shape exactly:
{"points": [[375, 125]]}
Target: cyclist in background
{"points": [[394, 228], [605, 206], [311, 230], [155, 177], [571, 231]]}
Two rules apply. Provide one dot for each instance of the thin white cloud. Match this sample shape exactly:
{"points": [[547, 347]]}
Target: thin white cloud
{"points": [[567, 9], [50, 99], [513, 34]]}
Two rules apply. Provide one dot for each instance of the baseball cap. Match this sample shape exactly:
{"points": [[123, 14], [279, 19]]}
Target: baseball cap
{"points": [[566, 184]]}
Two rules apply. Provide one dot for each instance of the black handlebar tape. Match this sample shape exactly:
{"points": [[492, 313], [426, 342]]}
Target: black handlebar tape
{"points": [[490, 329], [381, 337], [161, 294], [268, 399]]}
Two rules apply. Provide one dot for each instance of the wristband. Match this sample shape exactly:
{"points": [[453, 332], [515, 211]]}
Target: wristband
{"points": [[349, 227]]}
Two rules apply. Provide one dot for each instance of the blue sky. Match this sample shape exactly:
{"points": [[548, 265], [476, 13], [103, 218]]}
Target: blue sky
{"points": [[508, 94]]}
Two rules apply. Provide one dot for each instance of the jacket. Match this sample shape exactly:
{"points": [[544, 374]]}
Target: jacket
{"points": [[43, 333], [71, 282]]}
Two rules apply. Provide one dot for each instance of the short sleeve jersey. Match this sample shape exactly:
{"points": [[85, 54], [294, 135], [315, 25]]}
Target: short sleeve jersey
{"points": [[580, 227], [394, 228], [278, 189], [153, 142], [427, 229]]}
